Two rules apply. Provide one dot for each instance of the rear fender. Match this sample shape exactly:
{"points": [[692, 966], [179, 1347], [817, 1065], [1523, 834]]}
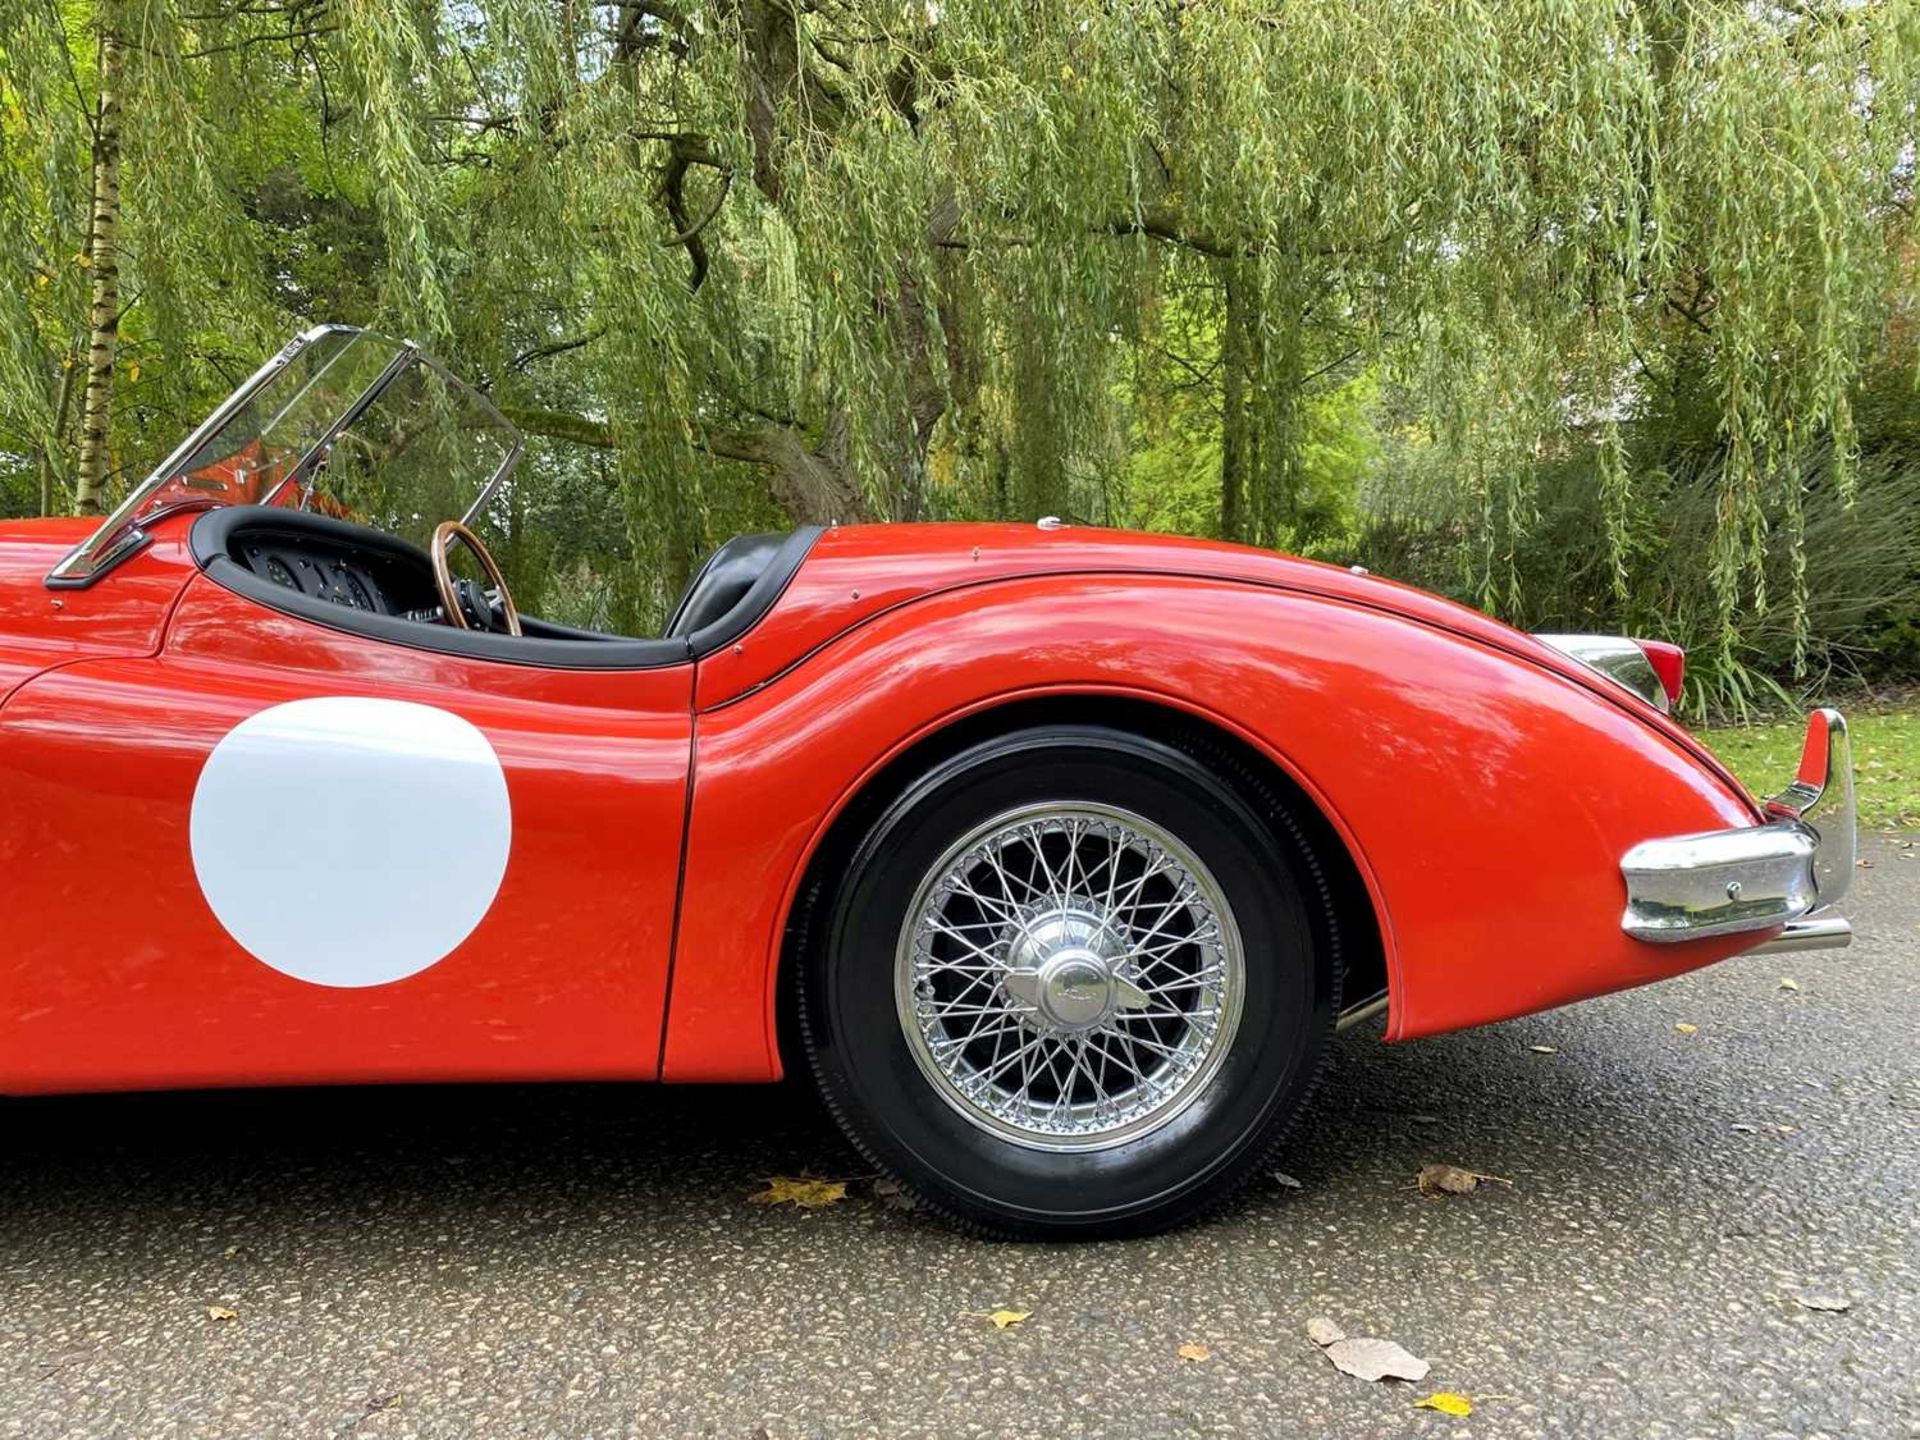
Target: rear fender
{"points": [[1485, 801]]}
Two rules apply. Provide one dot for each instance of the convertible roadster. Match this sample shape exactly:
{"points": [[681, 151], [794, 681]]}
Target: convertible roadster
{"points": [[1055, 856]]}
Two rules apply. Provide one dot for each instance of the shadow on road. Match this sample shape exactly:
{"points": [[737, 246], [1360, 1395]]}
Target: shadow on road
{"points": [[443, 1155]]}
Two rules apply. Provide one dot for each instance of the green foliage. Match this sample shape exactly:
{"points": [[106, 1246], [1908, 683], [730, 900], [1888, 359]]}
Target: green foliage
{"points": [[854, 257], [1886, 757], [1859, 555]]}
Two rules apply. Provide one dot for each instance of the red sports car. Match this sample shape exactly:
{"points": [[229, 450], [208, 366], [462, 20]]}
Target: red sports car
{"points": [[1056, 855]]}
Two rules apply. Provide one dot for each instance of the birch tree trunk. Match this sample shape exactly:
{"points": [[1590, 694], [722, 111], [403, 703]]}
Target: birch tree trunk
{"points": [[103, 259]]}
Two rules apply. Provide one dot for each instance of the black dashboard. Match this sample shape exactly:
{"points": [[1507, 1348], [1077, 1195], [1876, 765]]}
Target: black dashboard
{"points": [[335, 570]]}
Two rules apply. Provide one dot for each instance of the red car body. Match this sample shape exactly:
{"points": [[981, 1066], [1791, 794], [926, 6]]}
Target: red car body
{"points": [[1483, 785]]}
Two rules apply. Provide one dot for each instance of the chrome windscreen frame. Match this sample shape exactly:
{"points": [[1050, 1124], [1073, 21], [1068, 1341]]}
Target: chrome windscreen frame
{"points": [[1773, 876], [125, 531]]}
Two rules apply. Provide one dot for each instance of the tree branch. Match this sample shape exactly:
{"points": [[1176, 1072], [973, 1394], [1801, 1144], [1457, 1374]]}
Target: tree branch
{"points": [[558, 347]]}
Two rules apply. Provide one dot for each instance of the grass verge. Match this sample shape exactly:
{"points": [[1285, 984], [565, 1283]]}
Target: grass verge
{"points": [[1886, 759]]}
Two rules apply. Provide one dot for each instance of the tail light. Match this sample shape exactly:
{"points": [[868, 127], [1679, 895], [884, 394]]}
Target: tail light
{"points": [[1669, 663], [1651, 669]]}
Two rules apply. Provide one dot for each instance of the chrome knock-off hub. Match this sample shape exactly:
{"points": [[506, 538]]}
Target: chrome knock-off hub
{"points": [[1066, 966]]}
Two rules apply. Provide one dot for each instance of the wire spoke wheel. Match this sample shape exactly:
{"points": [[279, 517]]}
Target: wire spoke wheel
{"points": [[1069, 976]]}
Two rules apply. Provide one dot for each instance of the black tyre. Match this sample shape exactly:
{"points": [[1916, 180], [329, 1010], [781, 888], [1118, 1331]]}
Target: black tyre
{"points": [[1072, 983]]}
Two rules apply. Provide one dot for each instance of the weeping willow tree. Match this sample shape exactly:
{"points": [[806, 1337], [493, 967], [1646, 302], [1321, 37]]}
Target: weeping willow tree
{"points": [[885, 260]]}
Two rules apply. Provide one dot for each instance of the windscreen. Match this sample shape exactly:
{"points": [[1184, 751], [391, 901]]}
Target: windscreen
{"points": [[343, 421]]}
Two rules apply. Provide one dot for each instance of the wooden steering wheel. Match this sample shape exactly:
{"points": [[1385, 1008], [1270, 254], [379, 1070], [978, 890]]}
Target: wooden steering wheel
{"points": [[444, 534]]}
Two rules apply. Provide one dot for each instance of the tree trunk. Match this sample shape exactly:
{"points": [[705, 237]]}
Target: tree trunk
{"points": [[1234, 428], [811, 486], [52, 447], [103, 259]]}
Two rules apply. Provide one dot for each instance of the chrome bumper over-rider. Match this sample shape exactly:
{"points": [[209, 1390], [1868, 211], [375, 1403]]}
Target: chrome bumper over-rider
{"points": [[1760, 877]]}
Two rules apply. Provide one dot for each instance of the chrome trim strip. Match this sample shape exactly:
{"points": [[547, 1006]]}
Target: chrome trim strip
{"points": [[1830, 933], [1728, 882]]}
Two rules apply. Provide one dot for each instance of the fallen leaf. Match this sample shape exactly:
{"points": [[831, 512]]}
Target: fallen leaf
{"points": [[1366, 1358], [1193, 1352], [1452, 1180], [222, 1312], [1323, 1332], [889, 1194], [1544, 1049], [1787, 982], [1446, 1402], [1003, 1318], [1285, 1181], [807, 1194], [1685, 1029], [1832, 1303]]}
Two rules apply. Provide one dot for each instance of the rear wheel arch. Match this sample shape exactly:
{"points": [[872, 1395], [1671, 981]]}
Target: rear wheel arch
{"points": [[1255, 776]]}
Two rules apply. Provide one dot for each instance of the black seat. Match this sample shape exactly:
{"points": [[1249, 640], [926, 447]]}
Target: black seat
{"points": [[723, 582]]}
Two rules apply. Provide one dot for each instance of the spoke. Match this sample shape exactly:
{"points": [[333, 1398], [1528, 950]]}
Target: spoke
{"points": [[1036, 840], [1179, 905], [1003, 907], [1018, 1057], [942, 928], [997, 860], [1169, 1051], [1121, 1061], [981, 1031]]}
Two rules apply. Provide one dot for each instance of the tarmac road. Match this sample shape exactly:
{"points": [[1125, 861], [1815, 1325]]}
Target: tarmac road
{"points": [[583, 1261]]}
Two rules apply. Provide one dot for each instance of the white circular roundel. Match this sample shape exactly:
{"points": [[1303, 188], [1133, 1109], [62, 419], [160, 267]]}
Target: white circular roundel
{"points": [[348, 841]]}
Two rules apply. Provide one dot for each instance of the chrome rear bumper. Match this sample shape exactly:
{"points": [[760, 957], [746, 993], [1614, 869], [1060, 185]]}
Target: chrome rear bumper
{"points": [[1759, 877]]}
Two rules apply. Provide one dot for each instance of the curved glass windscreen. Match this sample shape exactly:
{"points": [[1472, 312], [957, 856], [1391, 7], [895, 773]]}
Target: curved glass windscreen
{"points": [[343, 421]]}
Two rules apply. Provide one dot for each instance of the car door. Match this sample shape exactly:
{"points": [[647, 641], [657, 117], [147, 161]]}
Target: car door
{"points": [[281, 852]]}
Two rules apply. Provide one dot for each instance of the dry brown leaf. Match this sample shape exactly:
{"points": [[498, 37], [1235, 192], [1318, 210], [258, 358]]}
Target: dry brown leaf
{"points": [[889, 1194], [1452, 1180], [1193, 1352], [1685, 1029], [807, 1194], [1834, 1304], [222, 1312], [1446, 1402], [1787, 982], [1366, 1358], [1004, 1318], [1323, 1332], [1285, 1181]]}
